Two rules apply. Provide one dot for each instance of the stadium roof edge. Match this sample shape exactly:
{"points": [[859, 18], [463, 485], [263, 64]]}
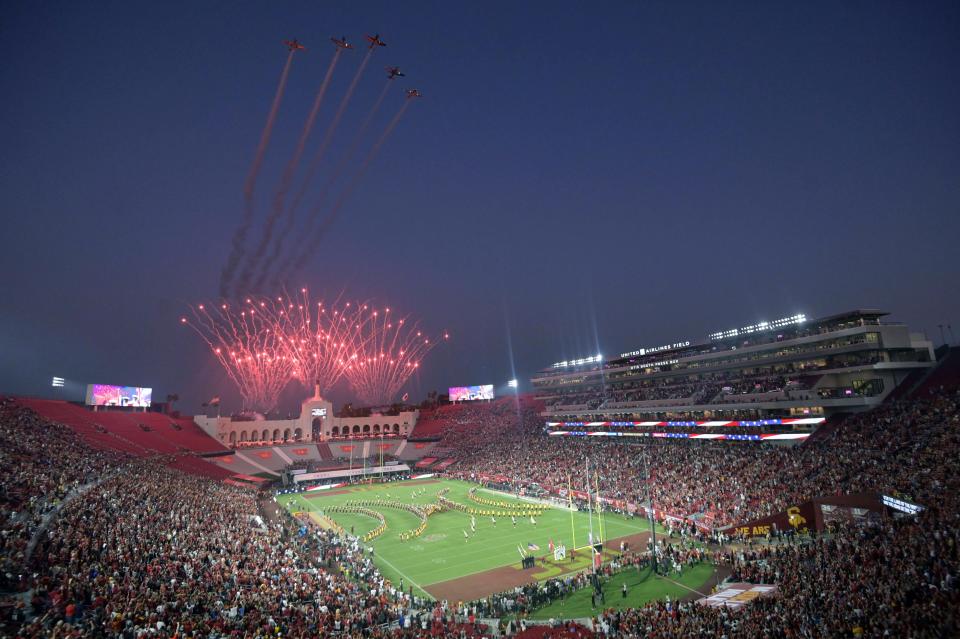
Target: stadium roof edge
{"points": [[856, 312]]}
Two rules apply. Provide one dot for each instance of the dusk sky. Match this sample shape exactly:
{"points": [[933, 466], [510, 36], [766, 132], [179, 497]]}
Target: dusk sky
{"points": [[578, 177]]}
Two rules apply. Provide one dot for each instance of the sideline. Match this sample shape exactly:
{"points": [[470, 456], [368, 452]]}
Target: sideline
{"points": [[396, 570], [314, 515]]}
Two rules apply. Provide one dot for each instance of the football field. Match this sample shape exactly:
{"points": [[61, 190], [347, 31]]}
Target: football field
{"points": [[448, 560]]}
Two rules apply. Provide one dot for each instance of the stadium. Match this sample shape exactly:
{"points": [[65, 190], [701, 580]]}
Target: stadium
{"points": [[543, 322], [670, 491]]}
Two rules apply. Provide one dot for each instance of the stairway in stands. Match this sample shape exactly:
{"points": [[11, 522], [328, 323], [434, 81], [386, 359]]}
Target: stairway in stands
{"points": [[945, 375], [324, 451], [905, 387]]}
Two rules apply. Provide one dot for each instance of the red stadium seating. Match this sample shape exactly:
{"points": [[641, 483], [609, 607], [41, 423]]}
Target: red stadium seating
{"points": [[197, 466], [136, 433]]}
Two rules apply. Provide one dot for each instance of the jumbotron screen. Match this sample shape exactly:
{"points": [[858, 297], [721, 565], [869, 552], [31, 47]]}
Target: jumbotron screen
{"points": [[108, 395], [470, 393]]}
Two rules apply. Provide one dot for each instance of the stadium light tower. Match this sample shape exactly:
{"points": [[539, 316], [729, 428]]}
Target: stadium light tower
{"points": [[512, 384]]}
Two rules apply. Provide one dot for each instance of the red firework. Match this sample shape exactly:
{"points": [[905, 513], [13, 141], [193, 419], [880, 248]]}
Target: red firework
{"points": [[250, 349], [318, 338], [391, 350], [264, 343]]}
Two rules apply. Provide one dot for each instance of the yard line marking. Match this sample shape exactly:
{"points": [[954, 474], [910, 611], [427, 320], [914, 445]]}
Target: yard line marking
{"points": [[397, 570], [473, 559], [702, 594]]}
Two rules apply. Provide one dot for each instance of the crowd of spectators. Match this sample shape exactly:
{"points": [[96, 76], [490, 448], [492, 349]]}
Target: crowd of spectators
{"points": [[154, 552], [724, 482], [894, 577], [468, 427], [142, 550], [40, 464]]}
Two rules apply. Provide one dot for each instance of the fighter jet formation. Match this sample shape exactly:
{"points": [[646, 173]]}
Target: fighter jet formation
{"points": [[282, 250]]}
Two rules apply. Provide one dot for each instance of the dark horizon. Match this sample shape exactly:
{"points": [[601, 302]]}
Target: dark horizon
{"points": [[573, 181]]}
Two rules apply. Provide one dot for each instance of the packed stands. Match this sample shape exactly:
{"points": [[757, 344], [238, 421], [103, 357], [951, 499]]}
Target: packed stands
{"points": [[186, 572], [910, 566], [721, 482], [139, 553], [41, 463], [149, 550], [476, 423], [894, 579]]}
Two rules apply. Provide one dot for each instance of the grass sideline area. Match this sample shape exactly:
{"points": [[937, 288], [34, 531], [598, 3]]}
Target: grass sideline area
{"points": [[642, 587], [442, 552]]}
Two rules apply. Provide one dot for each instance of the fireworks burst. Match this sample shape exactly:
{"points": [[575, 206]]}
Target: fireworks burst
{"points": [[319, 338], [250, 349], [391, 350], [263, 344]]}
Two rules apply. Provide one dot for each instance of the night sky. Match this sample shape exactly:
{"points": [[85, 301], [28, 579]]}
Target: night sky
{"points": [[579, 177]]}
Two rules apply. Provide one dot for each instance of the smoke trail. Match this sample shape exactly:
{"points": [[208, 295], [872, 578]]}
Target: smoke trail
{"points": [[240, 235], [342, 163], [331, 217], [287, 178], [290, 215]]}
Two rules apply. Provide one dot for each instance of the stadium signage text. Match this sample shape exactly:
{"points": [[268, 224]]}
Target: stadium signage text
{"points": [[655, 349], [753, 531], [900, 505], [666, 362]]}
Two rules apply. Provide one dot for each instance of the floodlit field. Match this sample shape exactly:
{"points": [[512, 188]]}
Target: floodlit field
{"points": [[642, 586], [436, 562]]}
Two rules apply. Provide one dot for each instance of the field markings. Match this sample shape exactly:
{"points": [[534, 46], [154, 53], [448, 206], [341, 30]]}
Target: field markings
{"points": [[665, 578], [377, 556], [405, 576], [477, 559]]}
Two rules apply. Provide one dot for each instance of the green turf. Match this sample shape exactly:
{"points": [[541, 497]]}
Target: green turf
{"points": [[642, 587], [442, 553]]}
